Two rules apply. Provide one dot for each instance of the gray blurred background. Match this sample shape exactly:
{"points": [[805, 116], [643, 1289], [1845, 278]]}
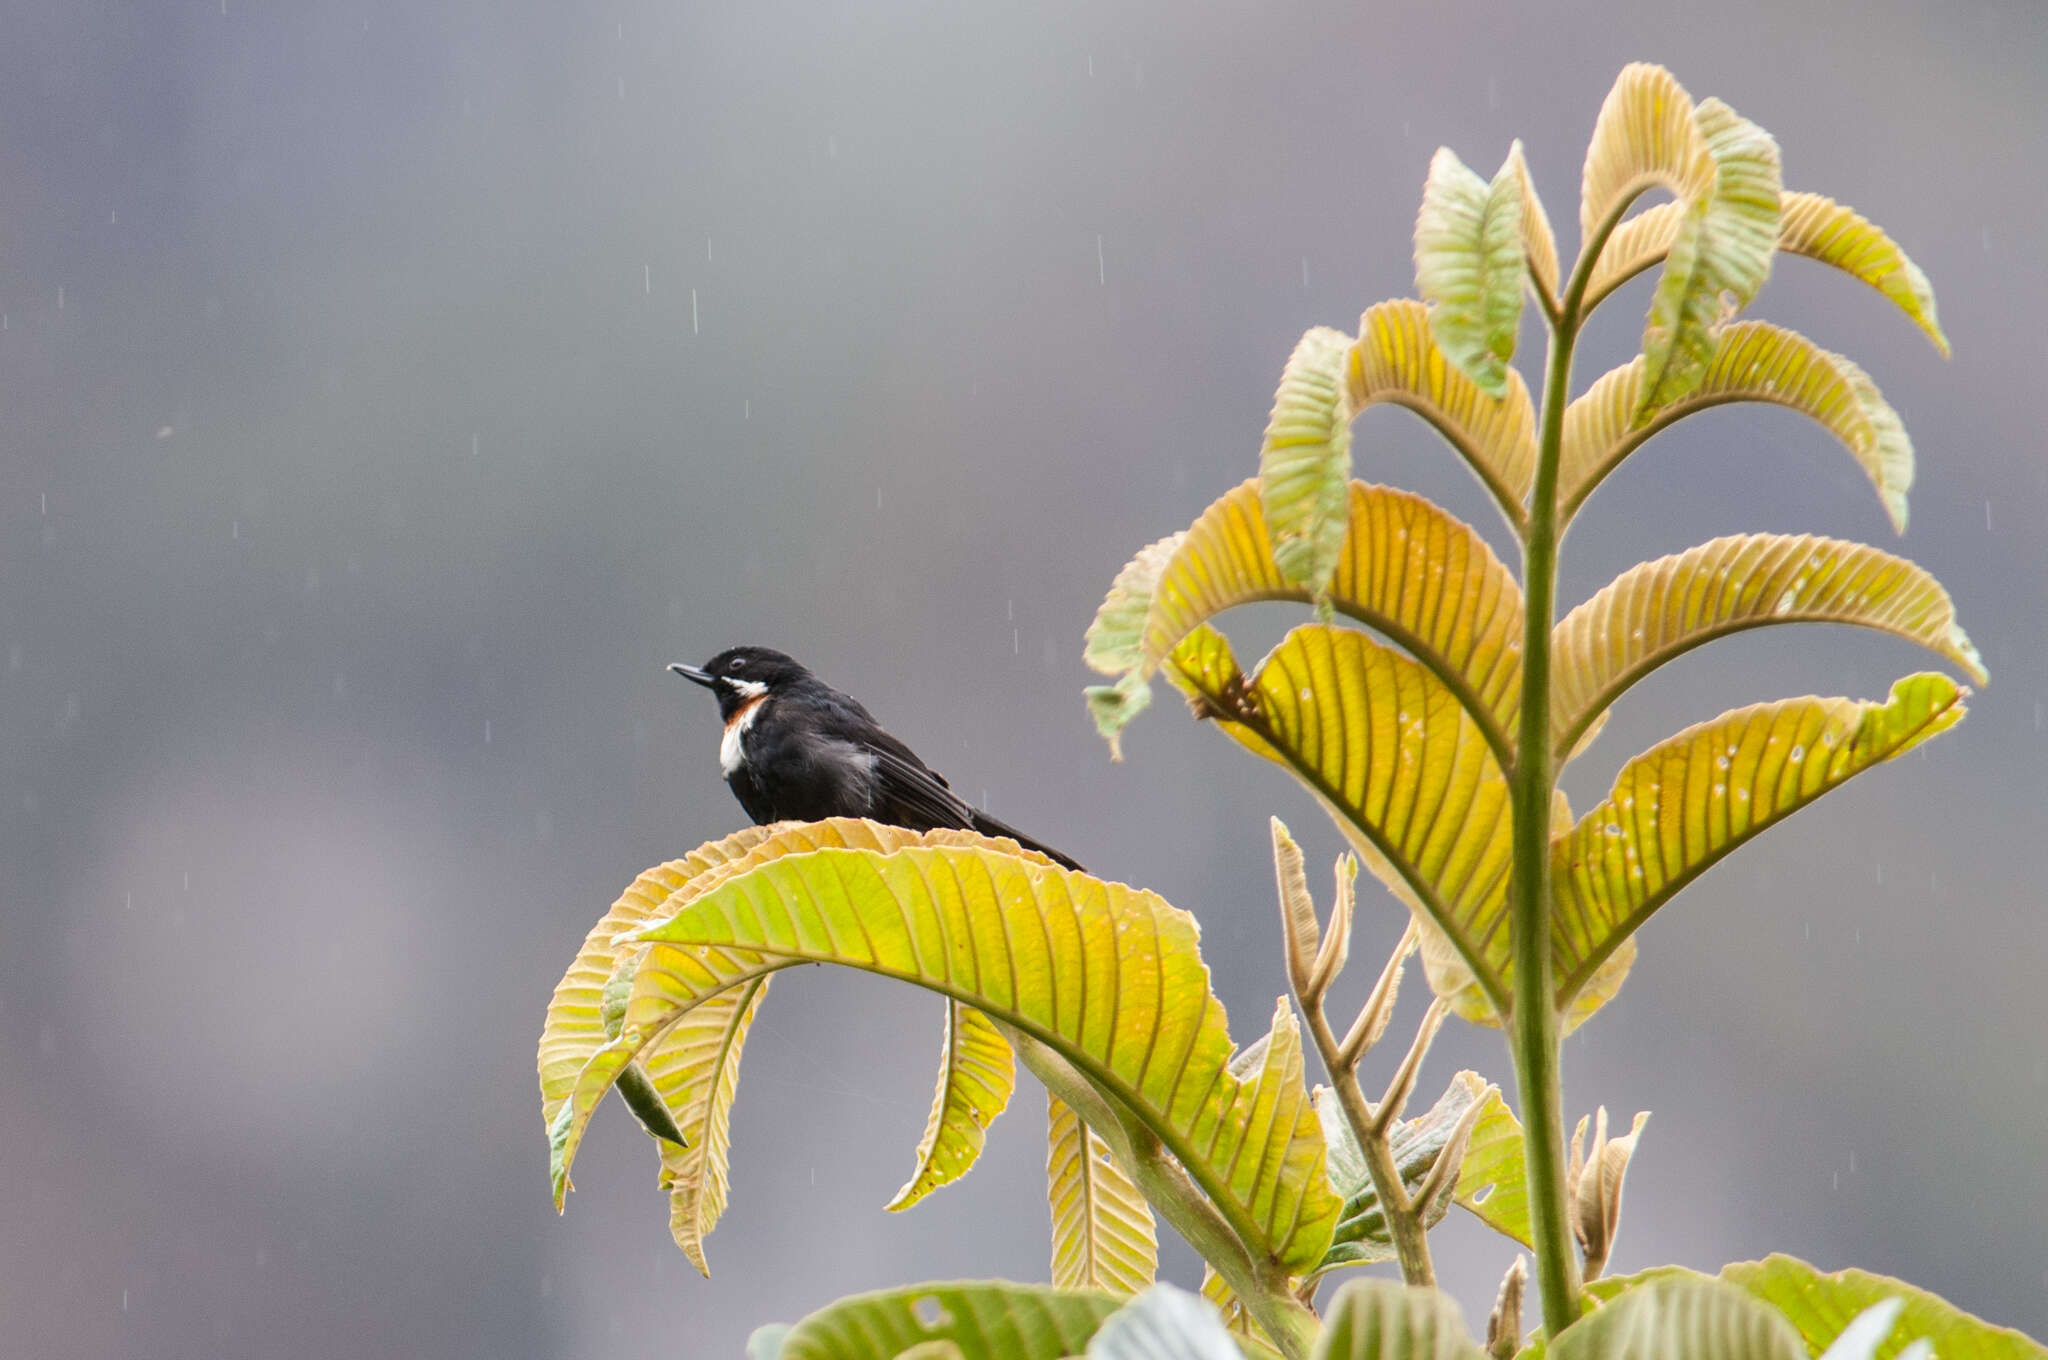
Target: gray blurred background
{"points": [[388, 390]]}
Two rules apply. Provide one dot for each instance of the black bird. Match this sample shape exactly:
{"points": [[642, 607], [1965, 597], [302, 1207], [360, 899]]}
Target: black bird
{"points": [[795, 749]]}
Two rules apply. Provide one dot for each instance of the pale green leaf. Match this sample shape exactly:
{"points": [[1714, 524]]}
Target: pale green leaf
{"points": [[977, 1073], [1108, 977], [1867, 1331], [1408, 570], [1680, 1318], [1659, 610], [1469, 264], [1362, 1234], [765, 1343], [1821, 1305], [1493, 1180], [1719, 259], [1389, 751], [1164, 1323], [1102, 1232], [983, 1320], [1753, 361], [1305, 460], [1397, 360], [1679, 807], [1384, 1320], [1115, 643], [1836, 234]]}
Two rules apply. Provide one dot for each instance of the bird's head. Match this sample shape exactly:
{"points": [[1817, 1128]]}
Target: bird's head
{"points": [[739, 675]]}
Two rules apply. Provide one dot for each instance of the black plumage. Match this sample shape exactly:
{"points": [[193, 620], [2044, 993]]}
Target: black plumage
{"points": [[795, 749]]}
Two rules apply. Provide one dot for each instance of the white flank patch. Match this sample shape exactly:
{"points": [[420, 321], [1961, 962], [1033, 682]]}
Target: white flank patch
{"points": [[730, 756]]}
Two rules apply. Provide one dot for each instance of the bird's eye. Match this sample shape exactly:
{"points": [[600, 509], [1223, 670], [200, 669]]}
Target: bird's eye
{"points": [[736, 664]]}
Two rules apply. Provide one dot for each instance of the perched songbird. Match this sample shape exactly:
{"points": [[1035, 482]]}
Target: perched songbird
{"points": [[795, 749]]}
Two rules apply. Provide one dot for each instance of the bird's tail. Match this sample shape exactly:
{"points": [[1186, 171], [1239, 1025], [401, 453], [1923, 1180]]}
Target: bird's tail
{"points": [[990, 826]]}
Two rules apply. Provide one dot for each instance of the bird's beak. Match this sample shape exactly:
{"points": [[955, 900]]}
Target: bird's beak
{"points": [[692, 673]]}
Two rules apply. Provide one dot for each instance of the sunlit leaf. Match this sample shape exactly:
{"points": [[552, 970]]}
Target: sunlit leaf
{"points": [[1819, 1305], [977, 1073], [1305, 460], [1362, 1234], [1717, 262], [1682, 805], [1386, 1320], [1389, 751], [1836, 234], [1408, 570], [1680, 1318], [1468, 266], [1659, 610], [1753, 361], [1493, 1181], [1108, 977], [1164, 1323], [1102, 1233], [985, 1321], [1115, 642], [1396, 360], [1644, 139], [1539, 246], [700, 1061]]}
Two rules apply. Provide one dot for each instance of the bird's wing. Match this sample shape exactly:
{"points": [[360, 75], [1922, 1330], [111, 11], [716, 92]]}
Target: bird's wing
{"points": [[909, 794]]}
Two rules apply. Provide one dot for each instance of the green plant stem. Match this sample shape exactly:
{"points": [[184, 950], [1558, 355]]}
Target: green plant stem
{"points": [[1404, 1221], [1262, 1286], [1534, 1034]]}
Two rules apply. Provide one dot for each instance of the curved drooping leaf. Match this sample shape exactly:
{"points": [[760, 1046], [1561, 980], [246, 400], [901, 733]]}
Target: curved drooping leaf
{"points": [[1834, 233], [1643, 139], [977, 1073], [1718, 260], [1389, 751], [1680, 1318], [1819, 1305], [1753, 361], [1408, 570], [1468, 266], [1305, 460], [1539, 246], [701, 1059], [981, 1320], [1386, 1320], [1164, 1323], [1397, 360], [1115, 641], [1658, 610], [1362, 1235], [1106, 975], [1640, 242], [1493, 1181], [1102, 1232], [1683, 804]]}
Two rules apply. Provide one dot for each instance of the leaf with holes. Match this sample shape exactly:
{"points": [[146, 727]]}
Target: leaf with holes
{"points": [[1102, 1232], [1679, 807], [1718, 260], [1656, 611], [1469, 265], [1305, 460], [1408, 570], [1389, 751], [977, 1073], [1493, 1181], [1108, 977], [1397, 360], [1753, 361]]}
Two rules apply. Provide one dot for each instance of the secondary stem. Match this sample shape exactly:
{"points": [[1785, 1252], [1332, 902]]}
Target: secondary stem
{"points": [[1534, 1039]]}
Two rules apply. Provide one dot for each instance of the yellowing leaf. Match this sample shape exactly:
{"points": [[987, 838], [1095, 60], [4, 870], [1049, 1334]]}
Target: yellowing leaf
{"points": [[1644, 138], [1408, 569], [1639, 243], [1539, 246], [977, 1073], [1396, 360], [1679, 807], [1102, 1233], [1718, 260], [700, 1059], [1468, 266], [1837, 234], [1659, 610], [1108, 977], [1305, 461], [1394, 757]]}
